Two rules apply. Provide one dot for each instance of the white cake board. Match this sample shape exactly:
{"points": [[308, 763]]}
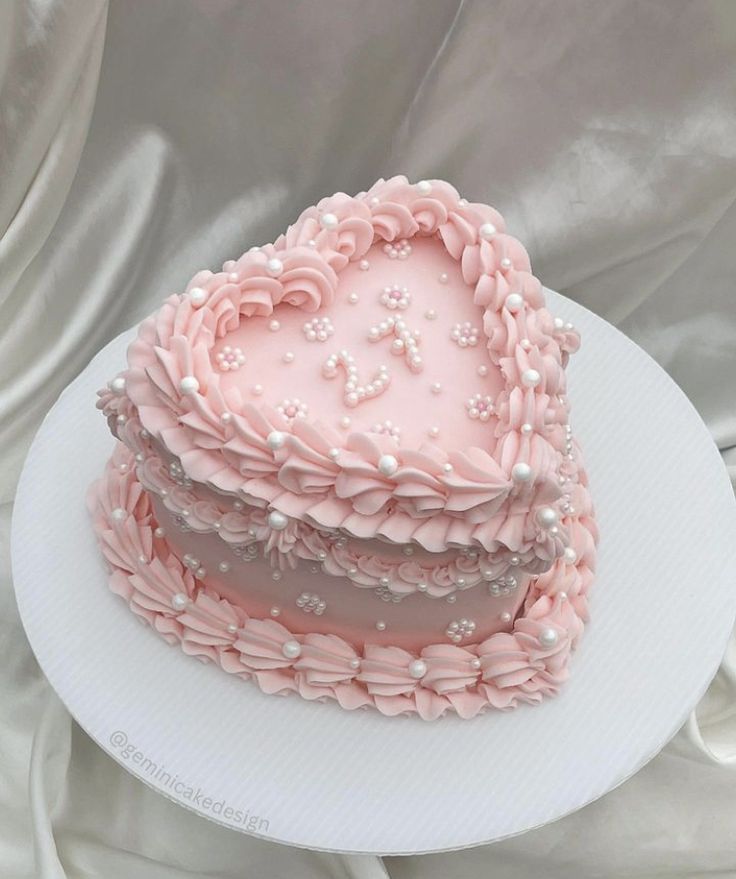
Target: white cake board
{"points": [[316, 776]]}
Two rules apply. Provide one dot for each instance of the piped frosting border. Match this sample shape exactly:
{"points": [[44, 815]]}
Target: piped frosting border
{"points": [[434, 498], [503, 671]]}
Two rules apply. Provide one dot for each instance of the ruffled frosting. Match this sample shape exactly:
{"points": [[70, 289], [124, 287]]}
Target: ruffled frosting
{"points": [[433, 498], [504, 670]]}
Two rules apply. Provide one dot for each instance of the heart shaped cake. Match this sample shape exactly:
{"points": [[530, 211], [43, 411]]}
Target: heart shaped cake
{"points": [[345, 466]]}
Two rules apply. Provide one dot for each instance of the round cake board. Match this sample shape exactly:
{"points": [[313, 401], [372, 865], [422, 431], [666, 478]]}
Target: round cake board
{"points": [[314, 775]]}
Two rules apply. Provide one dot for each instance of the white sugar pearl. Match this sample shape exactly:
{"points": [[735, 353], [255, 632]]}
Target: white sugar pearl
{"points": [[355, 664], [381, 626], [274, 326], [514, 302], [505, 617], [530, 378], [475, 663], [275, 611], [179, 601], [275, 267], [548, 637], [436, 388], [288, 357], [559, 323], [197, 296], [506, 263], [364, 265], [226, 418], [345, 422], [224, 567], [276, 439], [159, 532], [118, 514], [417, 669], [526, 428], [430, 314], [482, 370], [547, 517], [291, 649], [521, 472], [189, 385], [328, 221], [388, 465], [232, 628], [117, 385], [257, 390], [277, 521], [434, 431], [444, 278], [334, 453], [570, 555], [487, 231], [353, 298], [424, 187]]}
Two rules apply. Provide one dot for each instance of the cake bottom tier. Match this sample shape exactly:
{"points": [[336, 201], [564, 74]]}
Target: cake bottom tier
{"points": [[287, 654]]}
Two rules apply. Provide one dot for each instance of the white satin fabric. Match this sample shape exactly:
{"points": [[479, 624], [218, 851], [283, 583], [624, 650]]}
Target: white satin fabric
{"points": [[141, 141]]}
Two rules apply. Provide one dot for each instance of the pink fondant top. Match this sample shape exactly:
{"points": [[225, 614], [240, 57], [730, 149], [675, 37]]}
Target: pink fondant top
{"points": [[386, 367]]}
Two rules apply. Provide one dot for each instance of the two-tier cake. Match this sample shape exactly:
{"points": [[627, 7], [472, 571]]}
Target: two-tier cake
{"points": [[345, 466]]}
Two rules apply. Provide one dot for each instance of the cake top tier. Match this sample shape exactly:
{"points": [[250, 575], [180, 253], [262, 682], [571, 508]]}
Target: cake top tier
{"points": [[387, 367]]}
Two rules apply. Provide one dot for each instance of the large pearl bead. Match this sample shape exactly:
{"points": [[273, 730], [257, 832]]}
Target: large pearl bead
{"points": [[424, 187], [388, 465], [328, 221], [117, 385], [514, 302], [417, 669], [276, 439], [548, 637], [189, 385], [530, 378], [274, 267], [197, 296], [487, 231], [291, 649], [521, 472], [277, 521], [547, 516]]}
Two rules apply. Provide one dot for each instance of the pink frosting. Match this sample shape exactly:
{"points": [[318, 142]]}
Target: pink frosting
{"points": [[435, 498], [502, 671]]}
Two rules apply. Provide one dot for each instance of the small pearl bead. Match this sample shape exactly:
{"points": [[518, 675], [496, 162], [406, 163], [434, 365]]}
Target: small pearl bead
{"points": [[530, 378], [275, 267], [224, 567], [345, 422], [257, 390], [447, 467], [421, 587], [559, 323], [562, 596], [276, 439], [197, 296], [430, 314], [275, 611], [514, 302], [226, 418], [291, 649], [436, 388], [189, 385], [506, 263], [424, 187], [333, 453], [159, 532], [570, 555], [434, 431], [118, 514], [353, 298], [355, 663], [505, 617], [417, 669], [443, 278], [232, 628], [274, 326], [381, 626], [388, 465], [364, 265], [328, 221], [117, 385], [547, 516], [521, 472], [475, 663], [548, 637], [233, 277], [179, 601], [482, 370], [288, 357], [526, 428], [487, 231], [277, 521]]}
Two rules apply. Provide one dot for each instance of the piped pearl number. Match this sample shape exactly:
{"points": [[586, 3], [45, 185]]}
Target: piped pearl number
{"points": [[354, 392], [405, 341]]}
